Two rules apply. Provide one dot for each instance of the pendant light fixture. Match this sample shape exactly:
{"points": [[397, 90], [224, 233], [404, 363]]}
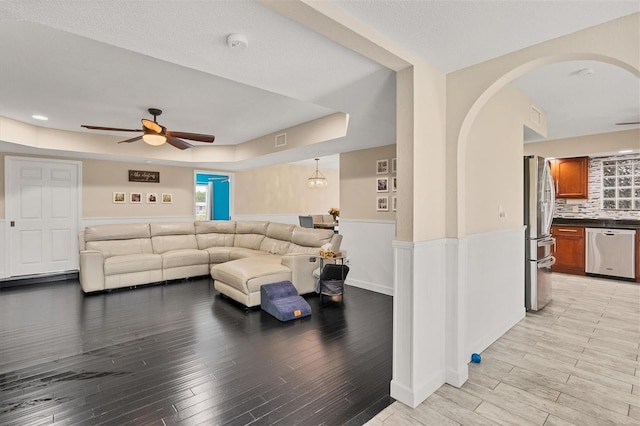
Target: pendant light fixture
{"points": [[317, 180]]}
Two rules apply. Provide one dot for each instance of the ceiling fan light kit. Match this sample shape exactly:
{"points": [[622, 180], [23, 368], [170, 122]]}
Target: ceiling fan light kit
{"points": [[156, 134], [154, 139]]}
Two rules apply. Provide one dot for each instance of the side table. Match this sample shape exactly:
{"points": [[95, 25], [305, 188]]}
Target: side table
{"points": [[331, 281]]}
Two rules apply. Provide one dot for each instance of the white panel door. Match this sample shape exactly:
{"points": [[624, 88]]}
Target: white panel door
{"points": [[42, 200]]}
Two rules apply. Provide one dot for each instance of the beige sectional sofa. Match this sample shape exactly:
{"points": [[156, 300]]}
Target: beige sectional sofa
{"points": [[239, 255]]}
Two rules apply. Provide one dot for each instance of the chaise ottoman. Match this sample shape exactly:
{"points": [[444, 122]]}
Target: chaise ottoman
{"points": [[241, 279]]}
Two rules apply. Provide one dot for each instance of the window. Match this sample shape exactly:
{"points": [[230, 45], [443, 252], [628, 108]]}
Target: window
{"points": [[621, 184]]}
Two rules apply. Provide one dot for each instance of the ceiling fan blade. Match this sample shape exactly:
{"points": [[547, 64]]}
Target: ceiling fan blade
{"points": [[627, 123], [137, 138], [178, 143], [199, 137], [152, 125], [114, 129]]}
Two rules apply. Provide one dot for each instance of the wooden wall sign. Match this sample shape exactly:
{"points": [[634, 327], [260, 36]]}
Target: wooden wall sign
{"points": [[144, 176]]}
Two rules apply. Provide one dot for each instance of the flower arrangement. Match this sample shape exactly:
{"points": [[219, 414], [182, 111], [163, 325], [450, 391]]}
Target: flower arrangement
{"points": [[334, 211]]}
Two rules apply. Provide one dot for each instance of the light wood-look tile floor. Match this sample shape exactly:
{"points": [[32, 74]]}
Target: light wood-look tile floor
{"points": [[575, 362]]}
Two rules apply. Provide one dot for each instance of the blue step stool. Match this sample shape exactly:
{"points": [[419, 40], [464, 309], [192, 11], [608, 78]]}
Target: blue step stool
{"points": [[283, 301]]}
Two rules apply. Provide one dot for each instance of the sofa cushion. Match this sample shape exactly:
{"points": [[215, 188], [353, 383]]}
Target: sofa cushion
{"points": [[310, 238], [219, 254], [173, 242], [184, 257], [116, 232], [111, 248], [247, 275], [249, 234], [172, 228], [214, 240], [274, 246], [252, 227], [215, 233], [243, 253], [215, 227], [129, 263], [249, 241]]}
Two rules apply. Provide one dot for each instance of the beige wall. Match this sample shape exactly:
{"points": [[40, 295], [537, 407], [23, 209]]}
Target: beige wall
{"points": [[494, 170], [283, 190], [101, 178], [358, 184], [615, 42], [603, 143]]}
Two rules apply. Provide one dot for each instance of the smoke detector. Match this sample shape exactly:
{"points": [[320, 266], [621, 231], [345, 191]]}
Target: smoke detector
{"points": [[237, 41], [585, 72]]}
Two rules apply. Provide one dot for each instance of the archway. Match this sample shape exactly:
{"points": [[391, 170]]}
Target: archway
{"points": [[471, 89]]}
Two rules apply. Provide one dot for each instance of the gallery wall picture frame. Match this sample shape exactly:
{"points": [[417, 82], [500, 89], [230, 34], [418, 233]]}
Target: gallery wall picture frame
{"points": [[394, 183], [119, 197], [382, 184], [152, 198], [394, 203], [135, 198], [167, 198], [382, 204], [382, 166], [393, 165]]}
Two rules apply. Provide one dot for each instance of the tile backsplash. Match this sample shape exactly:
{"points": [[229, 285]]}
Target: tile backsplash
{"points": [[592, 208]]}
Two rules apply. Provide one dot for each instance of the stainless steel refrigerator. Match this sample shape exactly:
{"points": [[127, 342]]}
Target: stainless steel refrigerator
{"points": [[539, 201]]}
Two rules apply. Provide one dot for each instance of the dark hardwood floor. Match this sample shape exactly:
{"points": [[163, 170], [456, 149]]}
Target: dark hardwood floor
{"points": [[180, 354]]}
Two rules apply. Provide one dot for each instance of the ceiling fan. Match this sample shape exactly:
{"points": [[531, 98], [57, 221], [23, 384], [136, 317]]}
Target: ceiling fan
{"points": [[155, 134]]}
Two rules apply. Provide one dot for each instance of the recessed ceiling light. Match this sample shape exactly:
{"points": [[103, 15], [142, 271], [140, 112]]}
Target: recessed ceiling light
{"points": [[40, 117]]}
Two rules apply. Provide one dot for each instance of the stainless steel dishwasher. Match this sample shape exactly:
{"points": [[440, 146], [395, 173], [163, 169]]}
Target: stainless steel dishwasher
{"points": [[611, 252]]}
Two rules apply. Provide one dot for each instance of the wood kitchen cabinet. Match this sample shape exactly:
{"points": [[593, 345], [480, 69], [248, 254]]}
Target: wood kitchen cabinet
{"points": [[571, 177], [569, 249]]}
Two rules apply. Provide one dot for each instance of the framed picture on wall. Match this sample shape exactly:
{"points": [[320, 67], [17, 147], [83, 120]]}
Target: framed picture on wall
{"points": [[152, 198], [382, 166], [119, 197], [167, 198], [394, 184], [394, 203], [382, 184], [393, 165], [135, 198], [382, 204]]}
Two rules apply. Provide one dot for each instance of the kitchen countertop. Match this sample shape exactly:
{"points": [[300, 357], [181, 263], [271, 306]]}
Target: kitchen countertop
{"points": [[599, 223]]}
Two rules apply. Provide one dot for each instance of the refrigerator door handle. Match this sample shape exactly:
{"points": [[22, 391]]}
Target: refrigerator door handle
{"points": [[547, 242], [547, 263]]}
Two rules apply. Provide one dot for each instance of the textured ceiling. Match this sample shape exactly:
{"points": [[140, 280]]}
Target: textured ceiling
{"points": [[106, 62], [456, 34]]}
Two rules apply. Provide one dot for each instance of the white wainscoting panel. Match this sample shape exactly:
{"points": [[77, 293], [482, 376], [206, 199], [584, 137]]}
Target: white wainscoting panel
{"points": [[369, 249], [4, 251], [494, 286], [90, 221], [456, 313], [291, 218], [419, 306]]}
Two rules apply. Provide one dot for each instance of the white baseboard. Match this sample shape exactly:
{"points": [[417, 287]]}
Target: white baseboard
{"points": [[4, 251], [370, 286]]}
